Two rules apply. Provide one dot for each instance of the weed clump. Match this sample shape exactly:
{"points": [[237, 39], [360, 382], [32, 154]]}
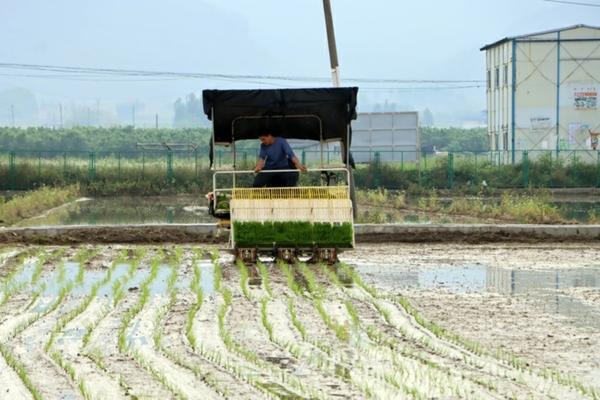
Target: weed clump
{"points": [[35, 202]]}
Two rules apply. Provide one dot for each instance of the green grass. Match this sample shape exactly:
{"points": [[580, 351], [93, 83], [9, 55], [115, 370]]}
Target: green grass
{"points": [[532, 207], [292, 234], [35, 202]]}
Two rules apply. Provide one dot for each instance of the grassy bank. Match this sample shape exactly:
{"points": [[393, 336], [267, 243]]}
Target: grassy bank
{"points": [[534, 207], [34, 203]]}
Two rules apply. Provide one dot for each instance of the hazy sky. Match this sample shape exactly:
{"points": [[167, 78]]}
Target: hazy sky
{"points": [[423, 39]]}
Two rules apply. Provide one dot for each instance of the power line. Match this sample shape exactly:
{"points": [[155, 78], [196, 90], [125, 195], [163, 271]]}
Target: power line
{"points": [[82, 78], [103, 72], [406, 88], [574, 3]]}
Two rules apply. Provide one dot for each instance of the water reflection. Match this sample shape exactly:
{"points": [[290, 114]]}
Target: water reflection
{"points": [[545, 287], [128, 210]]}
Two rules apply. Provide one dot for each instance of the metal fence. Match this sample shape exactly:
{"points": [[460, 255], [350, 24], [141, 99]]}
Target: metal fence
{"points": [[394, 170]]}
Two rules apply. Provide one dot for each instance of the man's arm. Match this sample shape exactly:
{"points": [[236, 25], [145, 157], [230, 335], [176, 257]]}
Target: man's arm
{"points": [[262, 157], [290, 154], [298, 164], [259, 165]]}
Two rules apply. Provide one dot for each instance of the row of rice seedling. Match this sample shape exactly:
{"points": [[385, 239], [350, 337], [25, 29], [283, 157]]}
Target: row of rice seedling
{"points": [[500, 354], [16, 265], [94, 354], [382, 341], [190, 315], [302, 350], [8, 355], [196, 289], [342, 333], [472, 353], [56, 355], [286, 380], [229, 363], [122, 344], [429, 368], [117, 288]]}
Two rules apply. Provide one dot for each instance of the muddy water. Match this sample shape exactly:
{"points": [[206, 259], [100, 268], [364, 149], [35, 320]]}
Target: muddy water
{"points": [[545, 288], [127, 210], [314, 339], [540, 302]]}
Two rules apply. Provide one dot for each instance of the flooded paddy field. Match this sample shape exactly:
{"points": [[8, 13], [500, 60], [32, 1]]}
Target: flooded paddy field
{"points": [[181, 209], [389, 322], [539, 302], [187, 209]]}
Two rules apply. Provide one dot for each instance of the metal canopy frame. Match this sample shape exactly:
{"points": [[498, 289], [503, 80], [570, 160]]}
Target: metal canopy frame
{"points": [[321, 140], [235, 172]]}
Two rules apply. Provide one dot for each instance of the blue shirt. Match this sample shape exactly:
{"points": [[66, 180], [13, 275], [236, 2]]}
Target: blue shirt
{"points": [[276, 155]]}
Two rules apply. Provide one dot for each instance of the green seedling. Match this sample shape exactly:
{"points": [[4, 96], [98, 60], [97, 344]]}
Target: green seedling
{"points": [[264, 274], [289, 274], [244, 279], [191, 315], [292, 233], [295, 320], [218, 274], [264, 317], [19, 368]]}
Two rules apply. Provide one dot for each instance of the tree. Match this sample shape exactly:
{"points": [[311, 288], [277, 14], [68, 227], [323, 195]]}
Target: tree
{"points": [[189, 112], [427, 120]]}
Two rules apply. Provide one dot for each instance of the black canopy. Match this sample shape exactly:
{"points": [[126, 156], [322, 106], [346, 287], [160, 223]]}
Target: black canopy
{"points": [[291, 113]]}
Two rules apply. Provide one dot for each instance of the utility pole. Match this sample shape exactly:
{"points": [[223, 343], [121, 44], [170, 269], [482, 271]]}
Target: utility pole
{"points": [[156, 121], [333, 58], [133, 115], [98, 112], [12, 114], [60, 115]]}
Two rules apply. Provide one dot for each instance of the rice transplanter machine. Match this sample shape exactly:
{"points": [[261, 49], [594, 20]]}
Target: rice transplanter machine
{"points": [[315, 219]]}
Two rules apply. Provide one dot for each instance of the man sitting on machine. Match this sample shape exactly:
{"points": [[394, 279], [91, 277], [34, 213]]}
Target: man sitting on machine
{"points": [[276, 153]]}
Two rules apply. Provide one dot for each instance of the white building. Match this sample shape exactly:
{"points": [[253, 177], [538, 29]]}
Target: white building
{"points": [[542, 91]]}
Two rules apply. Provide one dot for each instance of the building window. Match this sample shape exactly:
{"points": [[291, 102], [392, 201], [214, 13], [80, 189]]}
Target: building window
{"points": [[497, 73], [505, 74], [505, 140], [489, 79]]}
